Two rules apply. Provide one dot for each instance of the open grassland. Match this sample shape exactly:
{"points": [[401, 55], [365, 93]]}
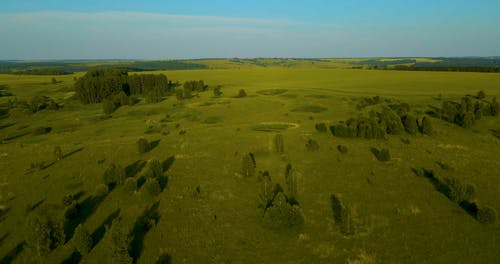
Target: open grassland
{"points": [[208, 210]]}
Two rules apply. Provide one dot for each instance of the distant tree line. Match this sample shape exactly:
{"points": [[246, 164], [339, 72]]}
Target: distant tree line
{"points": [[446, 68]]}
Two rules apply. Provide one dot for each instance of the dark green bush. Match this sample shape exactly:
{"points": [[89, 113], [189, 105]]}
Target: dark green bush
{"points": [[481, 95], [241, 94], [382, 155], [457, 191], [109, 106], [114, 174], [179, 94], [410, 124], [342, 149], [486, 215], [143, 145], [96, 85], [119, 243], [130, 184], [425, 127], [340, 130], [217, 91], [58, 154], [122, 99], [154, 169], [248, 165], [82, 240], [68, 199], [279, 145], [321, 127], [195, 86], [312, 145], [282, 215], [44, 230], [343, 216], [392, 122], [151, 187], [42, 102], [495, 107]]}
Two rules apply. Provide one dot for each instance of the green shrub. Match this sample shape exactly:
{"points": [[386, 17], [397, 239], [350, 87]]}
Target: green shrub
{"points": [[179, 94], [143, 145], [486, 215], [44, 230], [342, 149], [495, 107], [101, 190], [410, 124], [42, 102], [392, 122], [282, 215], [340, 130], [425, 127], [457, 191], [154, 95], [154, 169], [122, 98], [82, 240], [152, 187], [321, 127], [68, 199], [342, 215], [58, 154], [481, 95], [217, 91], [241, 94], [130, 184], [382, 155], [114, 174], [248, 165], [119, 243], [279, 145], [449, 111], [108, 106], [312, 145]]}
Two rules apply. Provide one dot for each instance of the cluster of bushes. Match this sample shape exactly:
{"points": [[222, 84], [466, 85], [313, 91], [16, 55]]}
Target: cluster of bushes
{"points": [[469, 110], [4, 90], [44, 230], [368, 101], [281, 210], [35, 104], [390, 121], [462, 194]]}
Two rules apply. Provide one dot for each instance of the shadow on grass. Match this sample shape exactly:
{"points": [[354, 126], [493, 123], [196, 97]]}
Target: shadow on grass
{"points": [[154, 144], [470, 208], [98, 234], [144, 223], [134, 168], [3, 214], [31, 207], [6, 126], [17, 135], [72, 152], [164, 259], [13, 253], [83, 211], [2, 239], [168, 163], [74, 258]]}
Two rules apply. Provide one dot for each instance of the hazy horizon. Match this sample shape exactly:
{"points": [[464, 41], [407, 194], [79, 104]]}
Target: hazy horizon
{"points": [[103, 30]]}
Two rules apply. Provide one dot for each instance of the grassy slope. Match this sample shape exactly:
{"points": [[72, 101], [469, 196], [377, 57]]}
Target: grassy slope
{"points": [[407, 220]]}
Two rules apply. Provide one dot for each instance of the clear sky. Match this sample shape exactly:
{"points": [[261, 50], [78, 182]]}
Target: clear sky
{"points": [[153, 29]]}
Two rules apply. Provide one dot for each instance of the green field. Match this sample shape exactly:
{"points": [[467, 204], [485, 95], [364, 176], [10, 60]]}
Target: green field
{"points": [[208, 211]]}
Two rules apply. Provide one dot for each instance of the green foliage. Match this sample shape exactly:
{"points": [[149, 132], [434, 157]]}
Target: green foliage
{"points": [[248, 165], [340, 130], [154, 95], [151, 187], [114, 174], [241, 94], [282, 215], [495, 107], [44, 230], [130, 184], [457, 191], [101, 190], [410, 124], [321, 127], [481, 95], [218, 91], [392, 122], [312, 145], [96, 85], [486, 215], [198, 86], [150, 83], [179, 94], [67, 199], [425, 127], [143, 145], [109, 106], [58, 154], [119, 243], [342, 149], [343, 215], [154, 169], [122, 99], [82, 240], [41, 102], [279, 145], [382, 155]]}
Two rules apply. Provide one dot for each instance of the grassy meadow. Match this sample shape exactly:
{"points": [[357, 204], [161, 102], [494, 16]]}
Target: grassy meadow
{"points": [[208, 211]]}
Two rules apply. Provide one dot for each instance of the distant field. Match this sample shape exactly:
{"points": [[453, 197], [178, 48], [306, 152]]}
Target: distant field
{"points": [[208, 210]]}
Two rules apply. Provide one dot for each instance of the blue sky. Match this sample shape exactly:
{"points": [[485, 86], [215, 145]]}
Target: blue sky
{"points": [[55, 29]]}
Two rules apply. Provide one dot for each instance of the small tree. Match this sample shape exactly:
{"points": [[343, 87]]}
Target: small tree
{"points": [[217, 91], [44, 230], [120, 243], [114, 174], [241, 94], [82, 240], [152, 187], [154, 169], [143, 145], [101, 190]]}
